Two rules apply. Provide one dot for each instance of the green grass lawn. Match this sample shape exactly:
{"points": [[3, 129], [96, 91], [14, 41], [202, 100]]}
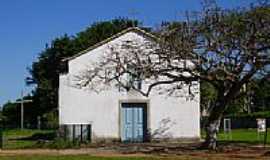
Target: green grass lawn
{"points": [[19, 139], [242, 135], [27, 138]]}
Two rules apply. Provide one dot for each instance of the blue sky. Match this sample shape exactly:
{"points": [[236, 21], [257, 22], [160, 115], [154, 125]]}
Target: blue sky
{"points": [[27, 25]]}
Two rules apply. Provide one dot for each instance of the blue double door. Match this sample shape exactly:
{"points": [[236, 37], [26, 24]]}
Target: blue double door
{"points": [[133, 122]]}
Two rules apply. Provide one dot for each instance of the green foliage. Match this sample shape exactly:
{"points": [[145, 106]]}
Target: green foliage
{"points": [[257, 96], [60, 143], [51, 119], [208, 95], [261, 95], [237, 105], [10, 114]]}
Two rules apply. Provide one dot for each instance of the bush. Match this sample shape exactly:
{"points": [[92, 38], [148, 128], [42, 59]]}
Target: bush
{"points": [[60, 143], [51, 119]]}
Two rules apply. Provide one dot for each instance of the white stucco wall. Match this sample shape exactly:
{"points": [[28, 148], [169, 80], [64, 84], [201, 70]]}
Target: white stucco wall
{"points": [[174, 117]]}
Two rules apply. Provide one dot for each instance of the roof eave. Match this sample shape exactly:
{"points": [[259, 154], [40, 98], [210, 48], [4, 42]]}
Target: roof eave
{"points": [[136, 29]]}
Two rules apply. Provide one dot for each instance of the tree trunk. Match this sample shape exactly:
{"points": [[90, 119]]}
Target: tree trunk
{"points": [[212, 125], [211, 129]]}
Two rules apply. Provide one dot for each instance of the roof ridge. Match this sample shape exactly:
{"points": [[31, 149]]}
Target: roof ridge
{"points": [[109, 39]]}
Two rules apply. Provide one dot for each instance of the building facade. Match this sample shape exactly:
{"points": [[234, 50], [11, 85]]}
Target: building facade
{"points": [[117, 115]]}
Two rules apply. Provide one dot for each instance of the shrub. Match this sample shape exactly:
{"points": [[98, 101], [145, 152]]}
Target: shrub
{"points": [[61, 143]]}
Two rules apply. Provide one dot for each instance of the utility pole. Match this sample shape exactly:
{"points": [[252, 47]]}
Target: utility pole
{"points": [[22, 101]]}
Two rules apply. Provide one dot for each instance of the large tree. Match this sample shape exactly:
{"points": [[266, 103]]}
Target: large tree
{"points": [[226, 49]]}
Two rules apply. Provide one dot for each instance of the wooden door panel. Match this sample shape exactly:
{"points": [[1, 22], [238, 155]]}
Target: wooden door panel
{"points": [[133, 121]]}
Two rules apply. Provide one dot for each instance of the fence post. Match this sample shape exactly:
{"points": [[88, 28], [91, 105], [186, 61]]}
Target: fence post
{"points": [[81, 133], [89, 133], [265, 134], [65, 132], [73, 133], [38, 122]]}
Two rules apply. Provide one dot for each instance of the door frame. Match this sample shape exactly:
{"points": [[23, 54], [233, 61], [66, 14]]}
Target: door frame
{"points": [[146, 103]]}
